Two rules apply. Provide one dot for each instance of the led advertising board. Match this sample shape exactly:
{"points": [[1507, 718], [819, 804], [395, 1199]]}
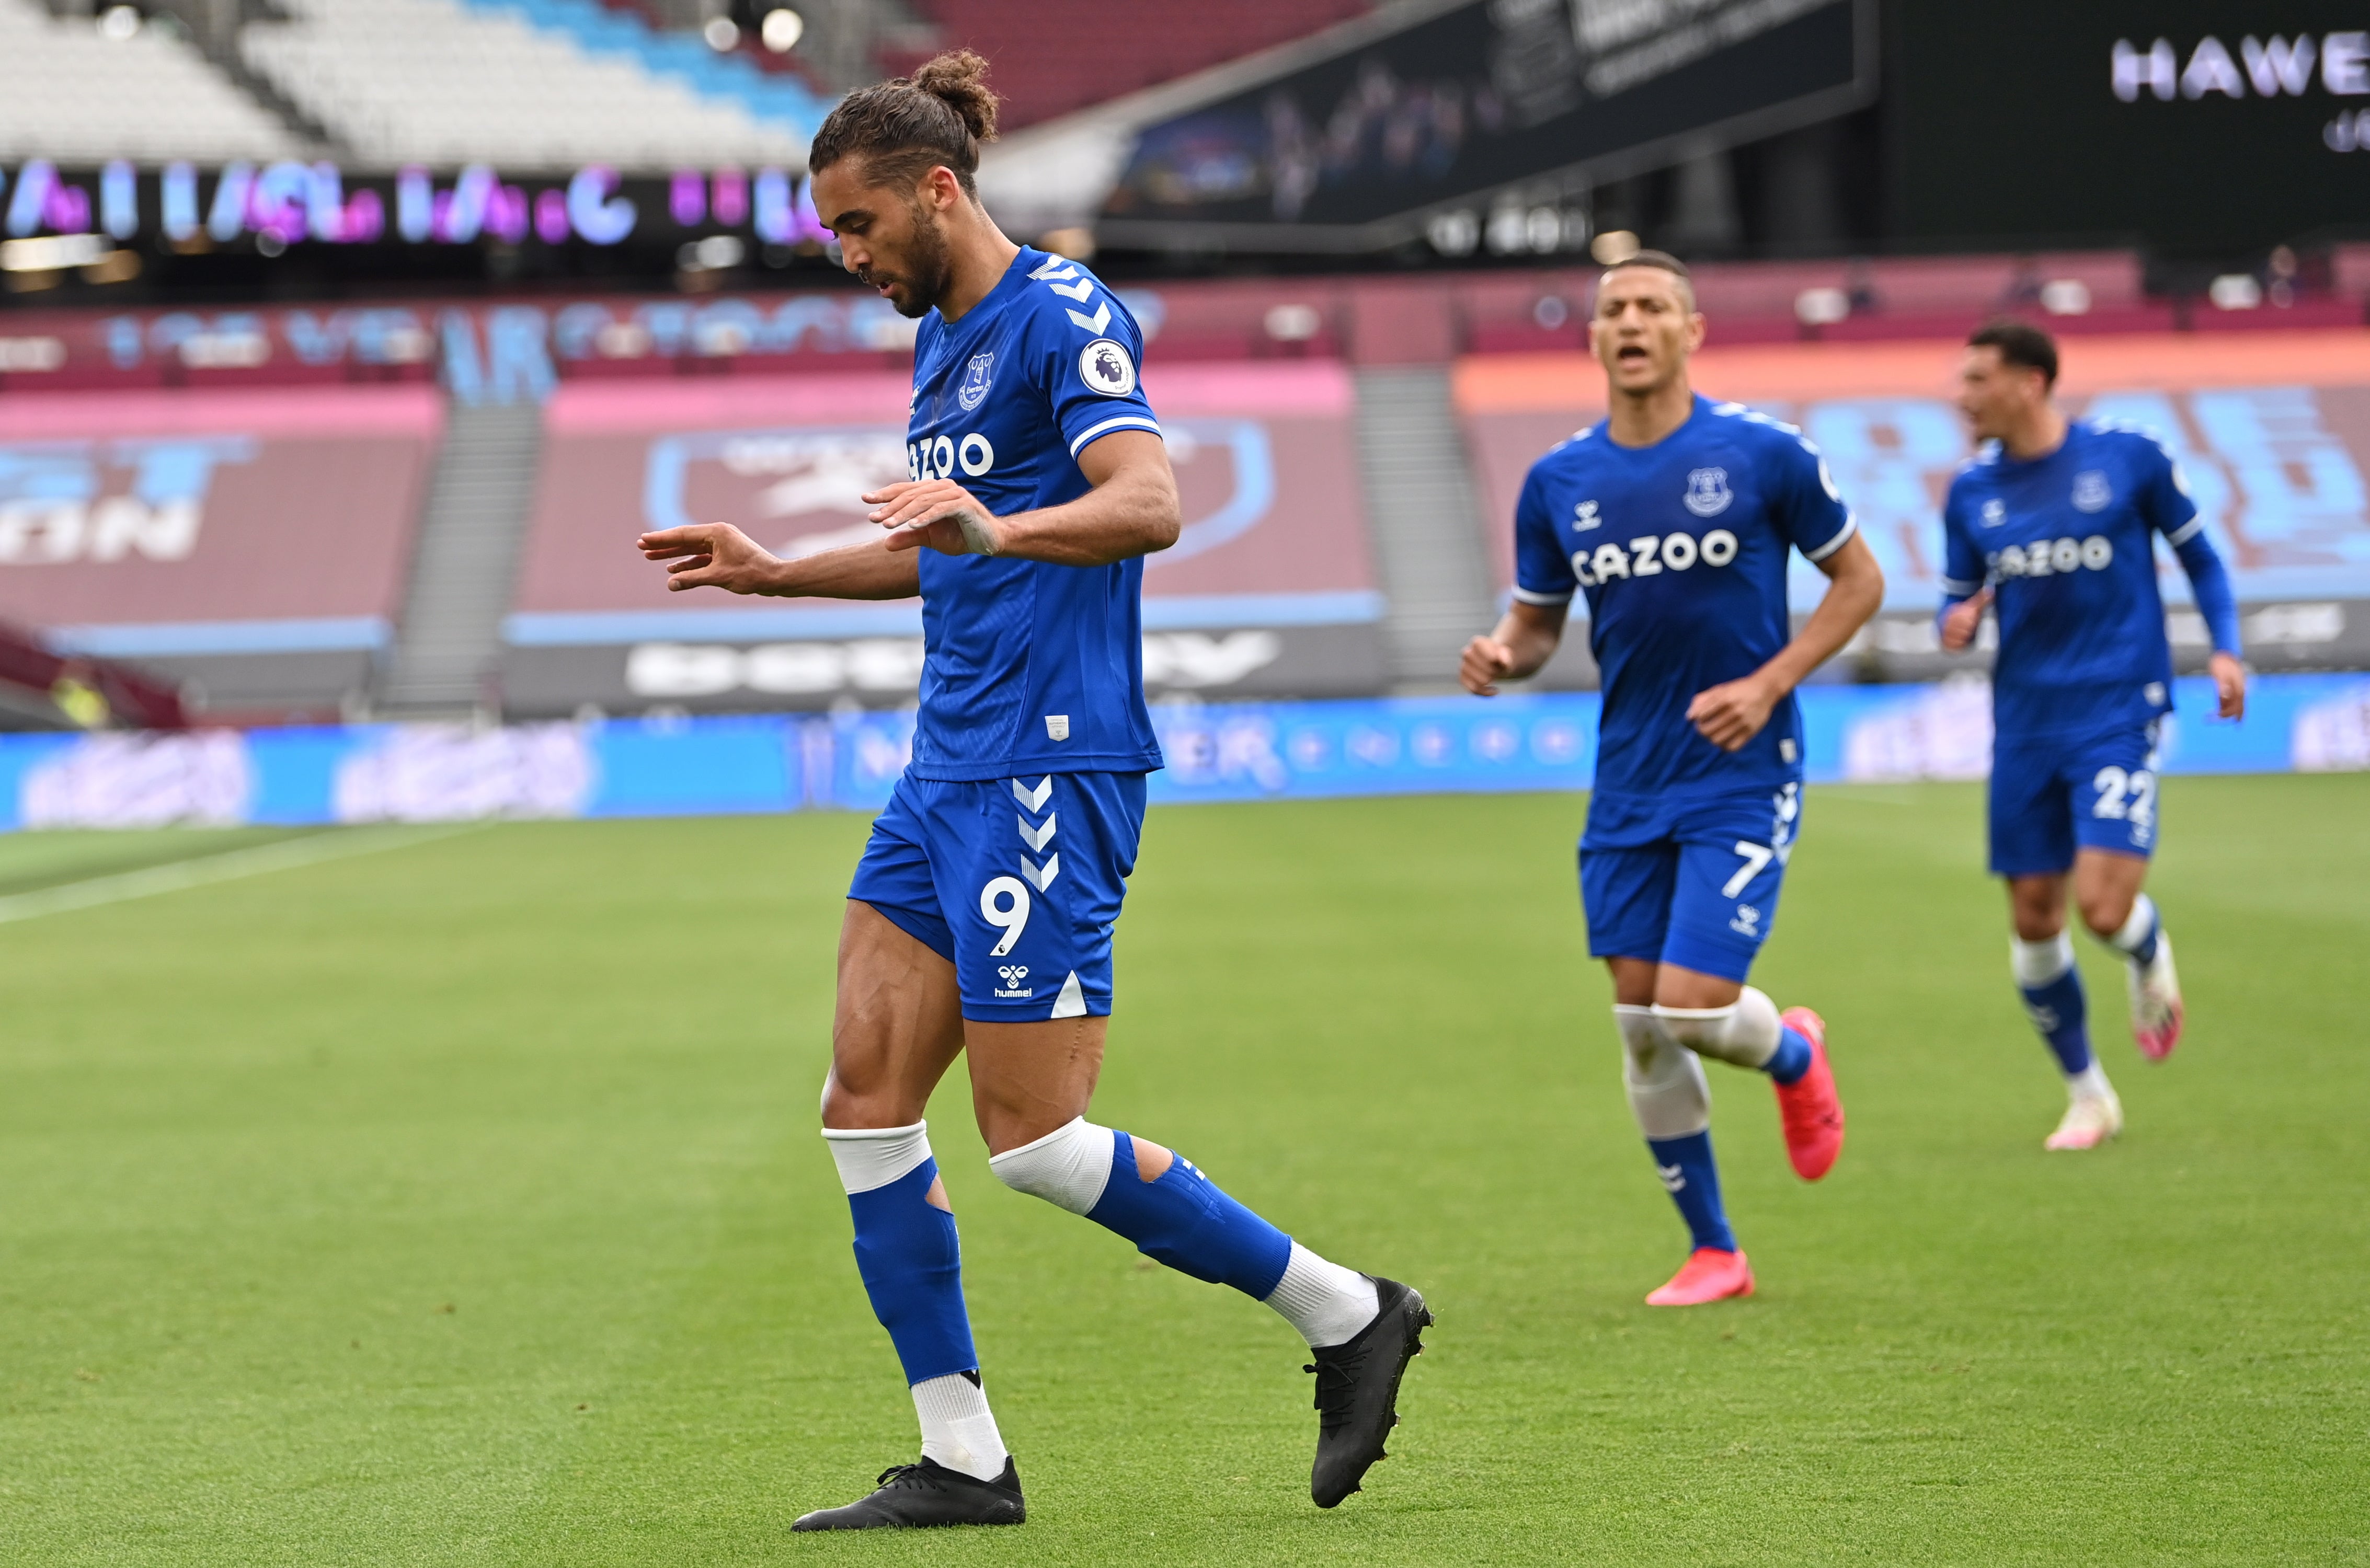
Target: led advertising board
{"points": [[283, 203], [2184, 125], [1355, 151]]}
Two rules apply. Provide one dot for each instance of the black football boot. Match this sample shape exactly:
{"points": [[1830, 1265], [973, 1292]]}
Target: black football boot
{"points": [[924, 1494], [1358, 1390]]}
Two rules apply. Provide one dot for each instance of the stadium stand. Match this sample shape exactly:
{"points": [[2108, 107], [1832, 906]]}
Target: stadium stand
{"points": [[1062, 55], [538, 85], [77, 96]]}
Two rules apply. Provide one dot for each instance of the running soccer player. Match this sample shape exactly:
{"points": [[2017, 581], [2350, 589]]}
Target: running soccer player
{"points": [[2052, 523], [1674, 518], [980, 919]]}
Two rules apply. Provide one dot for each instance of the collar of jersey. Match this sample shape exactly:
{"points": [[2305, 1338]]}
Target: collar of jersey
{"points": [[1697, 404], [991, 304], [2012, 464]]}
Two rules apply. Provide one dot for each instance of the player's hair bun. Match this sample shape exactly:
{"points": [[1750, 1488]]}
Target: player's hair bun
{"points": [[959, 78], [901, 129]]}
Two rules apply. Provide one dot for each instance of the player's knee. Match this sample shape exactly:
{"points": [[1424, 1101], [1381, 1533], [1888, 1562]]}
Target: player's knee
{"points": [[1744, 1032], [1068, 1167], [1701, 1029], [849, 1106], [2105, 912]]}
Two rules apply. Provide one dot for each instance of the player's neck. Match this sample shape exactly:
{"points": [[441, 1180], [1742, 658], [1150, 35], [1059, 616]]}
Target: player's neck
{"points": [[1641, 419], [981, 255], [2037, 435]]}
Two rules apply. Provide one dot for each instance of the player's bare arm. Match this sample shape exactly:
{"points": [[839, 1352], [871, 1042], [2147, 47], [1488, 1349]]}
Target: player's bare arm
{"points": [[1132, 510], [1731, 714], [1525, 638], [717, 555]]}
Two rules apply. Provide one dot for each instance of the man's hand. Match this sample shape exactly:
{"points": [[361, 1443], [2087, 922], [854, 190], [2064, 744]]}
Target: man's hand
{"points": [[1732, 712], [2230, 683], [1486, 662], [710, 555], [935, 514], [1960, 624]]}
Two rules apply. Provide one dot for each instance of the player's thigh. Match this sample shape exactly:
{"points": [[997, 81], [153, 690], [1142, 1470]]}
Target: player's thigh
{"points": [[2030, 808], [1625, 894], [1028, 1079], [1732, 868], [897, 1021], [1031, 875], [2111, 778]]}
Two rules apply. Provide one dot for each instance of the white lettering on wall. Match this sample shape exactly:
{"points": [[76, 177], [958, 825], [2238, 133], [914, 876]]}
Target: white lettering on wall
{"points": [[2273, 68], [42, 533]]}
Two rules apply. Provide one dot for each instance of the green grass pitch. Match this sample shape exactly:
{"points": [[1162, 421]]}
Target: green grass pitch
{"points": [[461, 1204]]}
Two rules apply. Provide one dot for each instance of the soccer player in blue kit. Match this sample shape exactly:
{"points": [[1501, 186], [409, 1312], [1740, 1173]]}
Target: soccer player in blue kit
{"points": [[1674, 518], [980, 919], [2052, 523]]}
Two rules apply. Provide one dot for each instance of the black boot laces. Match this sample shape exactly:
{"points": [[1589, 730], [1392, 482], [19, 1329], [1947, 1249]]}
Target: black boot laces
{"points": [[1336, 1385], [911, 1476]]}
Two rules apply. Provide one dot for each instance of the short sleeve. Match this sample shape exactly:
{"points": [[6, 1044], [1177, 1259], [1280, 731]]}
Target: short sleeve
{"points": [[1092, 354], [1962, 564], [1808, 507], [2163, 495], [1542, 575]]}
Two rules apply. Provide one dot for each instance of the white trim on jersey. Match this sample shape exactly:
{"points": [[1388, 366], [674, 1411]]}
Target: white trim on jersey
{"points": [[1125, 421], [1952, 585], [1850, 527], [2186, 531], [1532, 596]]}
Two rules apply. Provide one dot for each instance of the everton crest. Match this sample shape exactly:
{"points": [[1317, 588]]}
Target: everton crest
{"points": [[1708, 492], [976, 380]]}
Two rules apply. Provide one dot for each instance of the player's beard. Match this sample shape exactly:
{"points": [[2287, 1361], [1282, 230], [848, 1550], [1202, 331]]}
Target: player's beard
{"points": [[928, 266]]}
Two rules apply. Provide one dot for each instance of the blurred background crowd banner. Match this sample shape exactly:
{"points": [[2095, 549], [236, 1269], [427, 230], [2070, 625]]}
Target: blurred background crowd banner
{"points": [[675, 766], [346, 345]]}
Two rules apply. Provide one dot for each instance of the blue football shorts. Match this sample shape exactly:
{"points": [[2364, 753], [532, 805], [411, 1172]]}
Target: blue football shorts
{"points": [[1691, 882], [2093, 789], [1015, 882]]}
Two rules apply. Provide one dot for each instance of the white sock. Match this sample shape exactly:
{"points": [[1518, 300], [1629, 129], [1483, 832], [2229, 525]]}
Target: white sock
{"points": [[2090, 1083], [2036, 964], [1745, 1032], [1667, 1090], [872, 1157], [2137, 929], [1329, 1304], [956, 1429]]}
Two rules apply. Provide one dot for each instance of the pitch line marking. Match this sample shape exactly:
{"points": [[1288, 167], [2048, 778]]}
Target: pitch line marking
{"points": [[228, 865]]}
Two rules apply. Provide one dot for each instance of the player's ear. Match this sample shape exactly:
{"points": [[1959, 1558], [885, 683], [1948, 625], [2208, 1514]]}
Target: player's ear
{"points": [[1697, 327]]}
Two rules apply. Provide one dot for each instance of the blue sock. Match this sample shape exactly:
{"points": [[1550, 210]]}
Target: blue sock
{"points": [[1791, 1059], [912, 1263], [1186, 1221], [2060, 1013], [1686, 1168]]}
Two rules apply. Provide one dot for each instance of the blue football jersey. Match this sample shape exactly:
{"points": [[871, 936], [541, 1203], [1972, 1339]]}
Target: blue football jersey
{"points": [[2066, 543], [1028, 668], [1680, 550]]}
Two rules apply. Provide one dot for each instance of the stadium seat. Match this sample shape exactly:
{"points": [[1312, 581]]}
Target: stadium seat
{"points": [[537, 83], [77, 98]]}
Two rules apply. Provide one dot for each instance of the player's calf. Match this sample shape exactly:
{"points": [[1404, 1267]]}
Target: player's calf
{"points": [[1364, 1330]]}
